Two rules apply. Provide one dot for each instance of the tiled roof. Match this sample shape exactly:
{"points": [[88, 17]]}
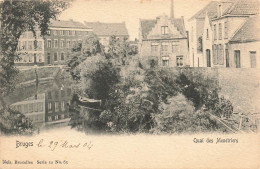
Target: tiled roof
{"points": [[243, 7], [108, 29], [249, 32], [67, 24], [147, 26], [211, 9]]}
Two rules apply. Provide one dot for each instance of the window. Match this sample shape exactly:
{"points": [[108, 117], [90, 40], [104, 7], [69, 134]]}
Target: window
{"points": [[226, 29], [221, 55], [179, 61], [207, 34], [49, 43], [68, 43], [237, 58], [73, 33], [215, 32], [220, 31], [56, 94], [39, 45], [227, 55], [30, 45], [40, 107], [62, 106], [24, 45], [62, 43], [55, 57], [175, 48], [62, 33], [67, 33], [49, 106], [253, 59], [62, 56], [30, 110], [164, 47], [164, 30], [48, 32], [56, 117], [70, 33], [55, 32], [49, 118], [215, 53], [49, 95], [35, 107], [56, 106], [40, 57], [62, 116], [56, 43], [30, 58], [165, 61]]}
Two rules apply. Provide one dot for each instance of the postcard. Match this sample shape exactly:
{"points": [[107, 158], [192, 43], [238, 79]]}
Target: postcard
{"points": [[129, 84]]}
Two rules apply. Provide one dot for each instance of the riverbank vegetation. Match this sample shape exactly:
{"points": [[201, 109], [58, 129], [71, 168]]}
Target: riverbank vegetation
{"points": [[138, 96]]}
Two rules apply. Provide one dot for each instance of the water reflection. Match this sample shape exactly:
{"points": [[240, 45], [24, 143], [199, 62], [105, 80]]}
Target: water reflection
{"points": [[46, 104]]}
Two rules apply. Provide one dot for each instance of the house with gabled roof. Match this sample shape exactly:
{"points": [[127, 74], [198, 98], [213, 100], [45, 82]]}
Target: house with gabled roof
{"points": [[196, 26], [105, 30], [245, 45], [232, 15], [164, 40]]}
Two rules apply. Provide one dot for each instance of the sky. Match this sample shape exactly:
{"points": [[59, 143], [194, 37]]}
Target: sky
{"points": [[129, 11]]}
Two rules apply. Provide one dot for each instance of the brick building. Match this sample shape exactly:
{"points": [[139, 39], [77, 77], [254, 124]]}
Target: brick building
{"points": [[50, 49], [164, 40]]}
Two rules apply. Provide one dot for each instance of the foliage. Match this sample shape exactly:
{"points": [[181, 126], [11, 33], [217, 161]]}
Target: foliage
{"points": [[15, 123], [16, 18], [80, 52], [180, 117]]}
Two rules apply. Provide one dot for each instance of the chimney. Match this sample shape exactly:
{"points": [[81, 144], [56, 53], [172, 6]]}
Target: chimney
{"points": [[172, 9]]}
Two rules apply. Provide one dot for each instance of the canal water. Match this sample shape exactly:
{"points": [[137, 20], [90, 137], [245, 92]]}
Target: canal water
{"points": [[46, 103]]}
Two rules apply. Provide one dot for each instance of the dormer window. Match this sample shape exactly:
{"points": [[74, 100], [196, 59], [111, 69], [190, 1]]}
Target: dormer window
{"points": [[219, 10], [164, 30]]}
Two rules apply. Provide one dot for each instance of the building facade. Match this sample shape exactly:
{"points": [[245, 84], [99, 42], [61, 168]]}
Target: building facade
{"points": [[52, 48], [164, 40], [244, 47], [196, 26], [231, 16]]}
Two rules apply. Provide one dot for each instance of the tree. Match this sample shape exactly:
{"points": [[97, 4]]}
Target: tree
{"points": [[16, 18], [80, 52]]}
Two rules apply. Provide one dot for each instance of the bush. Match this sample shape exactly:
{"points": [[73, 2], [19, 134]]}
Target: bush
{"points": [[14, 123]]}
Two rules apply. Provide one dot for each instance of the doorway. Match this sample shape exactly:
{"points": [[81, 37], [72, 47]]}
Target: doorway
{"points": [[208, 58]]}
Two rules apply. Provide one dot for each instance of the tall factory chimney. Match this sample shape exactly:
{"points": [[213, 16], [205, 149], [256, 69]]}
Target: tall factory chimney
{"points": [[172, 9]]}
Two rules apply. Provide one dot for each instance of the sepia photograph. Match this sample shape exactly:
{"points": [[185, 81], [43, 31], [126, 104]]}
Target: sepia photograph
{"points": [[129, 83]]}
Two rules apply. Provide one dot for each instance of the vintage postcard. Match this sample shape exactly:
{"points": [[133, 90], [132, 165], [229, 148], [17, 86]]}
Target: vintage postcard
{"points": [[129, 84]]}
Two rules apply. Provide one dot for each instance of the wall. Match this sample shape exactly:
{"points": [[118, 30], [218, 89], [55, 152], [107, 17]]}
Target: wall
{"points": [[245, 49], [207, 42]]}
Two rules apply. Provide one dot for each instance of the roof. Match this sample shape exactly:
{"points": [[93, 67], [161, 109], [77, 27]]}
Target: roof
{"points": [[211, 9], [67, 24], [243, 7], [249, 32], [108, 29], [147, 26]]}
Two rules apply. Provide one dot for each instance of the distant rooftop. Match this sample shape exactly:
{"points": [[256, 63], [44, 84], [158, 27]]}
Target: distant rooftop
{"points": [[249, 32], [210, 9], [108, 29], [243, 7], [67, 24]]}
